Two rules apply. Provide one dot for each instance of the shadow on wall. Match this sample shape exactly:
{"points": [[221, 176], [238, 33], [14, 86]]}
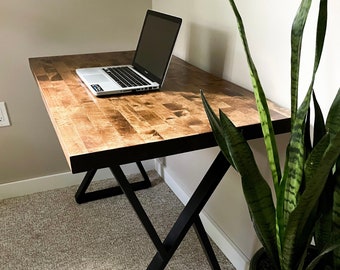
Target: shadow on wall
{"points": [[207, 48]]}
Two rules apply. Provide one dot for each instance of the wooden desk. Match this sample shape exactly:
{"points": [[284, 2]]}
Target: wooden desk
{"points": [[107, 132]]}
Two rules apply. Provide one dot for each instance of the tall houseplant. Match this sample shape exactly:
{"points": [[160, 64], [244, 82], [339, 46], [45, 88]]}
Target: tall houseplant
{"points": [[307, 188]]}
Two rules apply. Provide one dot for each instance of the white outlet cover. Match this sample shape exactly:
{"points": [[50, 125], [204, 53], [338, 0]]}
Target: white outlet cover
{"points": [[4, 121]]}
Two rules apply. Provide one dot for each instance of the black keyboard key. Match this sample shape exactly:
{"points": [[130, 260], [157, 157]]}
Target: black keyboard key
{"points": [[125, 77]]}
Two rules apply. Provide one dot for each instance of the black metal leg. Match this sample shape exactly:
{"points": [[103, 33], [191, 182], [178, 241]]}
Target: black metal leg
{"points": [[82, 196], [126, 187], [205, 243], [143, 172], [190, 212], [188, 217], [84, 185]]}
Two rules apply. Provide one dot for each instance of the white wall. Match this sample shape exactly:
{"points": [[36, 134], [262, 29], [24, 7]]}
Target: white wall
{"points": [[29, 147], [209, 39]]}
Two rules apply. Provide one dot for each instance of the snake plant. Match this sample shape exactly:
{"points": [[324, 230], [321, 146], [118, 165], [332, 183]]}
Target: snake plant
{"points": [[307, 189]]}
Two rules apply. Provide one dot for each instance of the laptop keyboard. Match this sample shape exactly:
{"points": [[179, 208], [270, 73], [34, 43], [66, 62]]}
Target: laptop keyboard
{"points": [[125, 77]]}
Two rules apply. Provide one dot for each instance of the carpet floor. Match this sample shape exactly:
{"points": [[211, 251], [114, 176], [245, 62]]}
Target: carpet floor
{"points": [[49, 230]]}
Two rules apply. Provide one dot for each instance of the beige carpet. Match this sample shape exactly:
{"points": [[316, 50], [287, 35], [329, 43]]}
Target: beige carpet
{"points": [[49, 230]]}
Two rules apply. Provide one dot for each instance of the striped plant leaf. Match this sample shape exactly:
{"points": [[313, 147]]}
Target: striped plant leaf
{"points": [[296, 43], [295, 164], [333, 127], [216, 128], [257, 191], [255, 188], [300, 225], [318, 166], [296, 157], [328, 207], [323, 228], [320, 32], [286, 231], [262, 106]]}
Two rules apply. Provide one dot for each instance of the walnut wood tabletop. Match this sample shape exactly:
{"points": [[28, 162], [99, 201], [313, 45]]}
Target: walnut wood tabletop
{"points": [[97, 132]]}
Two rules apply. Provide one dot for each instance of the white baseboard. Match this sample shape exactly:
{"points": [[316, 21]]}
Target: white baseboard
{"points": [[220, 238], [49, 182]]}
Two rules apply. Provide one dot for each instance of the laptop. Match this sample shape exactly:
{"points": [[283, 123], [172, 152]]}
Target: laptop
{"points": [[150, 62]]}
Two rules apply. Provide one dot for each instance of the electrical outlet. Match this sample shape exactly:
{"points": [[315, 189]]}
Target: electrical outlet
{"points": [[4, 121]]}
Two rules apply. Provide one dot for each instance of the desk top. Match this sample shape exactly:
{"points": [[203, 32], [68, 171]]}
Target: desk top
{"points": [[99, 132]]}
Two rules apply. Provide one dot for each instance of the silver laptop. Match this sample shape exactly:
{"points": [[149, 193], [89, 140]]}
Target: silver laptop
{"points": [[150, 63]]}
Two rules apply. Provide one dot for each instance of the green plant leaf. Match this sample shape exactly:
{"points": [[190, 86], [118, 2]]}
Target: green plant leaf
{"points": [[336, 214], [296, 156], [318, 166], [255, 188], [262, 106], [296, 43], [319, 122], [300, 226], [320, 32], [323, 228], [216, 128], [333, 118], [297, 204], [314, 263], [333, 127], [295, 162]]}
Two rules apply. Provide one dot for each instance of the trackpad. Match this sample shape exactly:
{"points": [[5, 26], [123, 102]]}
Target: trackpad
{"points": [[96, 78]]}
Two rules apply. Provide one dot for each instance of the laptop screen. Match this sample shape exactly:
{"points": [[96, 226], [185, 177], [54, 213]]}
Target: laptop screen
{"points": [[156, 43]]}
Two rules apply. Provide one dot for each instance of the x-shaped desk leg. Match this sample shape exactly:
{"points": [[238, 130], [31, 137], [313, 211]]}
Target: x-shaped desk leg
{"points": [[82, 196], [188, 217]]}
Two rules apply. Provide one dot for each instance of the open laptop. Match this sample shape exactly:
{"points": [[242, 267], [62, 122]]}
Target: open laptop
{"points": [[150, 63]]}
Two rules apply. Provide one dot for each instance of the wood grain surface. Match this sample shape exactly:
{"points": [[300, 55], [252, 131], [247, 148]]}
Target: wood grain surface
{"points": [[98, 132]]}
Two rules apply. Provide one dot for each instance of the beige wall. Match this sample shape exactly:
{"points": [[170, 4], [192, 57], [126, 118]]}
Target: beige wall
{"points": [[209, 39], [29, 147]]}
